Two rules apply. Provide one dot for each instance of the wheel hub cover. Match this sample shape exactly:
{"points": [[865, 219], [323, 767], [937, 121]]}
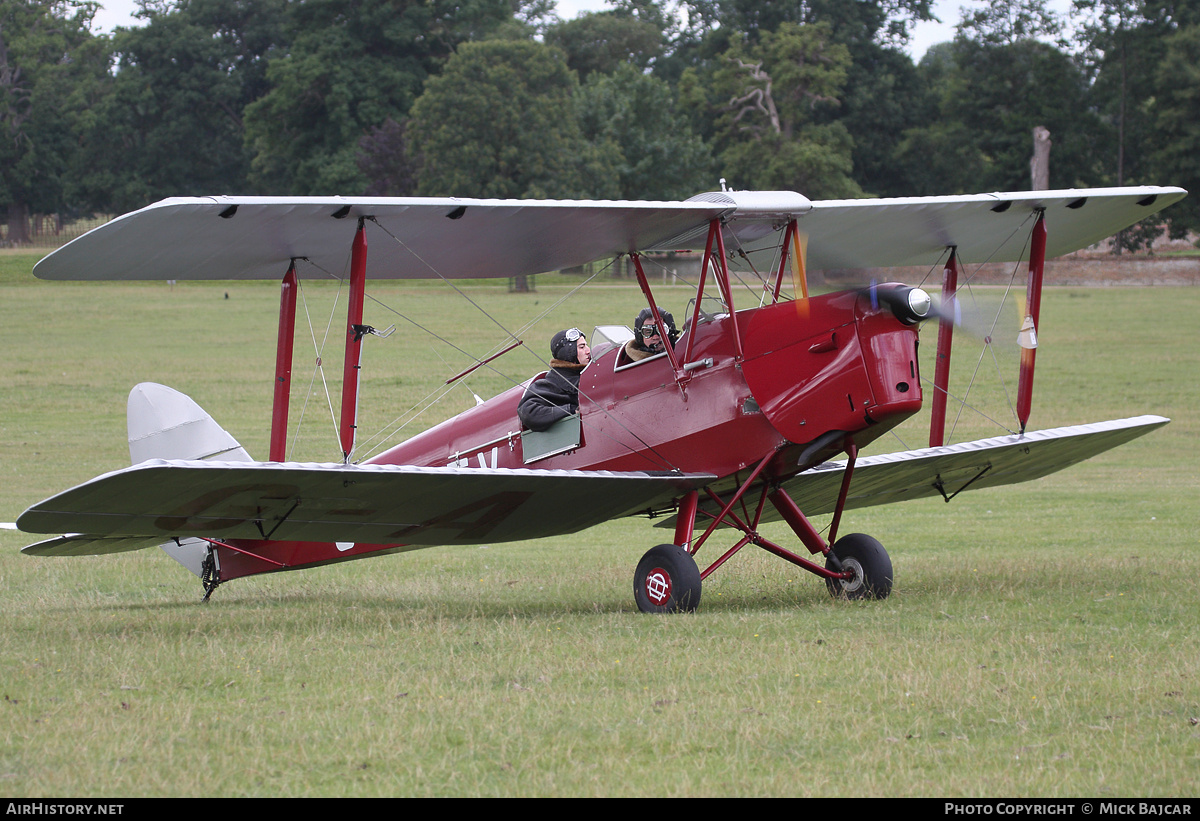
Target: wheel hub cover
{"points": [[851, 585], [658, 586]]}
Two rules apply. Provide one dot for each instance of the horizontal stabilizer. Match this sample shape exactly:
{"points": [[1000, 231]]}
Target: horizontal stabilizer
{"points": [[381, 504], [81, 544]]}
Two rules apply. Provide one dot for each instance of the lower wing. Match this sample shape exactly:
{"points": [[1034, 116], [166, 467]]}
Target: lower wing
{"points": [[947, 470], [157, 500]]}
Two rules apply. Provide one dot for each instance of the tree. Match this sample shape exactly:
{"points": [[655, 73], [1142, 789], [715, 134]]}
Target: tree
{"points": [[1177, 118], [499, 121], [937, 155], [990, 97], [941, 158], [602, 41], [348, 68], [385, 160], [50, 66], [1106, 35], [881, 21], [881, 93], [884, 96], [661, 158], [1008, 22], [767, 134], [1121, 51], [886, 23], [173, 125]]}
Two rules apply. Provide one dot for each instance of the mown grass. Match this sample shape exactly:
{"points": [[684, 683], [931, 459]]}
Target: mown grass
{"points": [[1040, 640]]}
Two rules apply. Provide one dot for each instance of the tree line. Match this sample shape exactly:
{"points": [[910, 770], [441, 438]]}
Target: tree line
{"points": [[651, 99]]}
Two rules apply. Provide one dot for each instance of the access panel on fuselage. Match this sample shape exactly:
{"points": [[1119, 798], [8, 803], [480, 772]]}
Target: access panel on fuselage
{"points": [[829, 365]]}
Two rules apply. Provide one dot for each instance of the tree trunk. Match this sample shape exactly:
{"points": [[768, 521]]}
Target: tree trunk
{"points": [[18, 223], [1039, 166]]}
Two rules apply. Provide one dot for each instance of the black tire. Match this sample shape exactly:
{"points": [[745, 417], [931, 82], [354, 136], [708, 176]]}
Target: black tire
{"points": [[870, 563], [667, 580]]}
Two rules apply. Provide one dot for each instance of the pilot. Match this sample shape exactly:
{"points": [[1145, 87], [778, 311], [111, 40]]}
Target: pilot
{"points": [[556, 395], [648, 338]]}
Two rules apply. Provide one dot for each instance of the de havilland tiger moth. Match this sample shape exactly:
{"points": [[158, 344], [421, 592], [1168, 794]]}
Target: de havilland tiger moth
{"points": [[756, 413]]}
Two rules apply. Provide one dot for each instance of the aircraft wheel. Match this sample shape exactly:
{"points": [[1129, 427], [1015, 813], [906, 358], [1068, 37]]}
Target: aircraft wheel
{"points": [[667, 580], [870, 563]]}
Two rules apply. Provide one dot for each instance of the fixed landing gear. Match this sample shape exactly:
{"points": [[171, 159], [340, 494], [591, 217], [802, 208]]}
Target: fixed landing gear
{"points": [[856, 566], [667, 580], [867, 560]]}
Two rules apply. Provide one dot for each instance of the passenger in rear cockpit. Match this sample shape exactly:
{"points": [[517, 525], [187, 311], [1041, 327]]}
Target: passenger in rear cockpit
{"points": [[649, 339], [556, 395]]}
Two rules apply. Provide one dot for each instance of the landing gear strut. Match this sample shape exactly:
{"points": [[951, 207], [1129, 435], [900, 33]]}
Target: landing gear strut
{"points": [[856, 566], [210, 577]]}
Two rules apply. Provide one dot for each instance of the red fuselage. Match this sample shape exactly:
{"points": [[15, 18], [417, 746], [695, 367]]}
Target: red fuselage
{"points": [[811, 372], [812, 377]]}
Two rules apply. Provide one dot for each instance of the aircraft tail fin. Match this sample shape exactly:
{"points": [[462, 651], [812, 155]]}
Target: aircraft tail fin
{"points": [[166, 424]]}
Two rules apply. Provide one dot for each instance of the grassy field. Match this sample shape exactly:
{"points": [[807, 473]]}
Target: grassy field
{"points": [[1040, 640]]}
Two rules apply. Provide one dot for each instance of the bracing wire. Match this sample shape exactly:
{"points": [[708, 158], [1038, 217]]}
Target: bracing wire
{"points": [[390, 429], [395, 426], [318, 365], [988, 346]]}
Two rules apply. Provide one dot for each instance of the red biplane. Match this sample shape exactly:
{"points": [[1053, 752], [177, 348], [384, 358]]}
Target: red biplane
{"points": [[757, 413]]}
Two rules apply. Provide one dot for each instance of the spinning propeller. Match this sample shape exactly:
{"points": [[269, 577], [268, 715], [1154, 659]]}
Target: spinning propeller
{"points": [[911, 305]]}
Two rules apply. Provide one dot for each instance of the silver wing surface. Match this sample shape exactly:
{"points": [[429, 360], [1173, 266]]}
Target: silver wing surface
{"points": [[236, 238], [984, 463], [947, 470], [144, 505], [981, 227]]}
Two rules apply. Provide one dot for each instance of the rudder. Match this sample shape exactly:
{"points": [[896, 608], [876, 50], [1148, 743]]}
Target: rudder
{"points": [[166, 424]]}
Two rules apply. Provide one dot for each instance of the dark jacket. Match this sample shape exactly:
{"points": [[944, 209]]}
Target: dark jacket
{"points": [[555, 396]]}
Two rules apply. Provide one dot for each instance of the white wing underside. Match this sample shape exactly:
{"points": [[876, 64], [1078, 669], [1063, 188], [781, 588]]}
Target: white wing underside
{"points": [[889, 233], [240, 238]]}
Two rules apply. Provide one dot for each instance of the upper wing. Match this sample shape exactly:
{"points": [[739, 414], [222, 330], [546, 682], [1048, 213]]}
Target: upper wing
{"points": [[218, 238], [981, 227], [381, 504], [421, 238]]}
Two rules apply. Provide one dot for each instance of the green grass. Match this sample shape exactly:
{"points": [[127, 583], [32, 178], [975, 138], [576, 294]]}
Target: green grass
{"points": [[1040, 640]]}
